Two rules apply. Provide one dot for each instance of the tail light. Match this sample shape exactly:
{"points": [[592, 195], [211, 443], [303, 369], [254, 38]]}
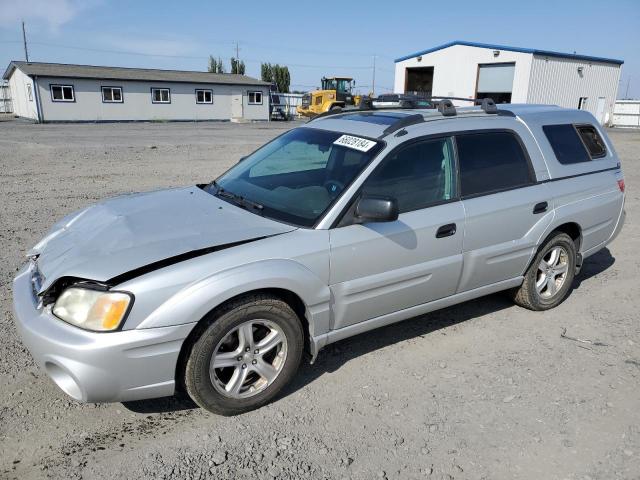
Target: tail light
{"points": [[621, 185]]}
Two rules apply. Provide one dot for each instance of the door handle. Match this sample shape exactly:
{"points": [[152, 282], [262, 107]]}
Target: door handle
{"points": [[446, 230], [540, 207]]}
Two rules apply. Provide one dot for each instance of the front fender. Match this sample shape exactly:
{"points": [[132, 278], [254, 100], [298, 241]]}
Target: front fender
{"points": [[197, 299]]}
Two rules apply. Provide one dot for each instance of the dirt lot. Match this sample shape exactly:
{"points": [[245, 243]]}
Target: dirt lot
{"points": [[483, 390]]}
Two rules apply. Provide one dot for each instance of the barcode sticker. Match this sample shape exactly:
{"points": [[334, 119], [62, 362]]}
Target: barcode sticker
{"points": [[356, 143]]}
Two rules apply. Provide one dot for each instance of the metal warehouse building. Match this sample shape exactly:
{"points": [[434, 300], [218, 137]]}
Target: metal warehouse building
{"points": [[49, 92], [512, 75]]}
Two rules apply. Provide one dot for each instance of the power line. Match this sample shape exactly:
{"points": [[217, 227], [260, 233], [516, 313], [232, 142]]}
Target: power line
{"points": [[234, 43], [319, 52], [187, 57], [119, 52]]}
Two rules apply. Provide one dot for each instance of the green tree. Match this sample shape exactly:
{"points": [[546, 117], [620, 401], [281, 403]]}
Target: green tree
{"points": [[266, 72], [237, 66], [215, 66], [278, 74]]}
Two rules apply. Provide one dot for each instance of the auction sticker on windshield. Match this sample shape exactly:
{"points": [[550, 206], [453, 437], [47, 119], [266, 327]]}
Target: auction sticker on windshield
{"points": [[356, 143]]}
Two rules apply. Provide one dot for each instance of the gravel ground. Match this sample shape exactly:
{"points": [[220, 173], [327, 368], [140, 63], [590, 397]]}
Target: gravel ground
{"points": [[483, 390]]}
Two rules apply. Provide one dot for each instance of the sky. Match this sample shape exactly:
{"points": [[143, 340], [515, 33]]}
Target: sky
{"points": [[312, 38]]}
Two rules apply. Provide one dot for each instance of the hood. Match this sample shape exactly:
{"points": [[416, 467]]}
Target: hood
{"points": [[132, 231]]}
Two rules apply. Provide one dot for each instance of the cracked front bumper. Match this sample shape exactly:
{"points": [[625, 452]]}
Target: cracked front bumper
{"points": [[97, 367]]}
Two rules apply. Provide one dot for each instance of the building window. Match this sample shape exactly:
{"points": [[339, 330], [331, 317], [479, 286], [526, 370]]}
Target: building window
{"points": [[62, 93], [30, 92], [112, 95], [160, 95], [255, 98], [204, 96], [582, 103]]}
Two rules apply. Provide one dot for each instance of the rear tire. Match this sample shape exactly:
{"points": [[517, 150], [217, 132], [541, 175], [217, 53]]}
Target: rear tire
{"points": [[227, 373], [335, 108], [549, 278]]}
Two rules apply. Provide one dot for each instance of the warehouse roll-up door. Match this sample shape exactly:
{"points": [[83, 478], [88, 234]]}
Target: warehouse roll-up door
{"points": [[496, 81]]}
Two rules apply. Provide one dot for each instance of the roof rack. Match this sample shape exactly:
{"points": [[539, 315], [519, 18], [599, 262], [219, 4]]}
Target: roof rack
{"points": [[486, 104], [403, 122], [444, 105], [366, 105]]}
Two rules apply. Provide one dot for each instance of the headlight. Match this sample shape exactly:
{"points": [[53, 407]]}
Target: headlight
{"points": [[92, 309]]}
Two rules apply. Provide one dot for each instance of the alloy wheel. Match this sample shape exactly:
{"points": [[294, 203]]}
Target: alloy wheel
{"points": [[248, 359], [552, 272]]}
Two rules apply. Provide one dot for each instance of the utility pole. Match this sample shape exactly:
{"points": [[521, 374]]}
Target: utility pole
{"points": [[373, 82], [626, 95], [24, 40], [237, 59]]}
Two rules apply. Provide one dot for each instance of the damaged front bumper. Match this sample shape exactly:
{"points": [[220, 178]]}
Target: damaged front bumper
{"points": [[97, 367]]}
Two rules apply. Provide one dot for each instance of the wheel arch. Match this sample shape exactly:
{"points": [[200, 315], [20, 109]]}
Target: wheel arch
{"points": [[290, 298], [572, 229]]}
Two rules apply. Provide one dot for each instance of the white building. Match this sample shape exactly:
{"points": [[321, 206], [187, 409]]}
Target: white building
{"points": [[49, 92], [512, 75]]}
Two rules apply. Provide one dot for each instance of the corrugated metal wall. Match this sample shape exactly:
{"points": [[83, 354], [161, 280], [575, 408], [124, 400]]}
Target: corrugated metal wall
{"points": [[626, 113], [5, 98], [291, 101], [557, 81]]}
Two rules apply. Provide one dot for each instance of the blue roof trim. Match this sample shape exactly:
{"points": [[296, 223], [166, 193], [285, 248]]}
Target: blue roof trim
{"points": [[534, 51]]}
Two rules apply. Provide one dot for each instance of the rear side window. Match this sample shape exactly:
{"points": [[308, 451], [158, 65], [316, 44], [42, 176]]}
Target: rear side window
{"points": [[491, 162], [592, 140], [566, 144]]}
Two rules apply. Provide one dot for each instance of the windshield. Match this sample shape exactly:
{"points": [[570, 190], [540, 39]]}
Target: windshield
{"points": [[328, 84], [342, 85], [297, 176]]}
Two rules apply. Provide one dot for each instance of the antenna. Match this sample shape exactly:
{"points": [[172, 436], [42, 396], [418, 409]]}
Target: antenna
{"points": [[24, 40]]}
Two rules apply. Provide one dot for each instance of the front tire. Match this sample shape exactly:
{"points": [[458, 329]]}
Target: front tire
{"points": [[549, 278], [250, 350]]}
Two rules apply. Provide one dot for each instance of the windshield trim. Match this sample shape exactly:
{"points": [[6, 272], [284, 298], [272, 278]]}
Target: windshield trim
{"points": [[381, 144]]}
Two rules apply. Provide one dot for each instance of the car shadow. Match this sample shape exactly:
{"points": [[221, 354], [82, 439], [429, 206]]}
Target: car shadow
{"points": [[176, 403], [594, 265], [334, 356]]}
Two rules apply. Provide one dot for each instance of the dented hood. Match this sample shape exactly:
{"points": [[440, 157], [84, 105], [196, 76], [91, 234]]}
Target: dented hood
{"points": [[129, 232]]}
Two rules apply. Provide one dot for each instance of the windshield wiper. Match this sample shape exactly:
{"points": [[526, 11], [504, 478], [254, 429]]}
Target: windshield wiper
{"points": [[238, 199]]}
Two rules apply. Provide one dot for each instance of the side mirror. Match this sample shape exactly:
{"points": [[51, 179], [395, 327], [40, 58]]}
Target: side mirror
{"points": [[242, 159], [376, 209]]}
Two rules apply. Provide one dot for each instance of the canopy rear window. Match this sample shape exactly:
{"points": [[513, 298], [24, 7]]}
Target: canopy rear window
{"points": [[575, 144]]}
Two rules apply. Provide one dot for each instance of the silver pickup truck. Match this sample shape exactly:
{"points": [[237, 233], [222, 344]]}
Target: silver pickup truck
{"points": [[353, 221]]}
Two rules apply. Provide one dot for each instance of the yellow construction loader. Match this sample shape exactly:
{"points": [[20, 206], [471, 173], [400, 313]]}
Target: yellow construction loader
{"points": [[336, 93]]}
